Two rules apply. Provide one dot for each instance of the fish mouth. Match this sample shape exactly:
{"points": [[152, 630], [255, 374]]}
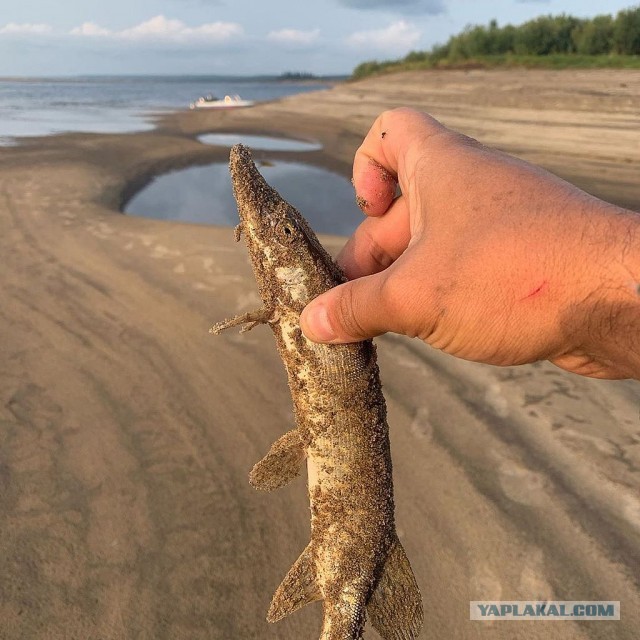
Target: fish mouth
{"points": [[255, 198], [241, 162]]}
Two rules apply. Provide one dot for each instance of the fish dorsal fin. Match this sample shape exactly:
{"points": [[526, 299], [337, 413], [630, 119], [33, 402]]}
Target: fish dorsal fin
{"points": [[281, 464], [395, 607], [299, 587]]}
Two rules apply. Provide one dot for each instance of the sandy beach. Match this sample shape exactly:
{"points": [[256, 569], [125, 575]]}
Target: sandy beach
{"points": [[127, 432]]}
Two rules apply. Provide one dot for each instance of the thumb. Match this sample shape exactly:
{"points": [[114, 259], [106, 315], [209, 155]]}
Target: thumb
{"points": [[350, 312]]}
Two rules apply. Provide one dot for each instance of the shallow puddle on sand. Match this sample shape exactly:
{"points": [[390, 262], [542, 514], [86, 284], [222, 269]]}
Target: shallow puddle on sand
{"points": [[204, 195], [264, 143]]}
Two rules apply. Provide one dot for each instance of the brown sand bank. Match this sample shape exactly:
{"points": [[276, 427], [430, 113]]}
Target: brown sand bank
{"points": [[127, 432]]}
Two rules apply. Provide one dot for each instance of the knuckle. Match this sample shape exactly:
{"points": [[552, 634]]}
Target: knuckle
{"points": [[403, 111], [412, 116], [379, 256], [389, 115]]}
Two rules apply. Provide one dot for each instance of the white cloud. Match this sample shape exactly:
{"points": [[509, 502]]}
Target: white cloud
{"points": [[398, 36], [90, 29], [217, 30], [26, 28], [293, 36], [165, 29]]}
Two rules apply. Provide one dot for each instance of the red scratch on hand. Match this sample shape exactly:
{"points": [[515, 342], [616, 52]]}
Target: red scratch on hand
{"points": [[536, 291]]}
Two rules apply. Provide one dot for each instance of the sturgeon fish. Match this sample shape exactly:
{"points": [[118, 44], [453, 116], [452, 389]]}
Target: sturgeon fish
{"points": [[354, 562]]}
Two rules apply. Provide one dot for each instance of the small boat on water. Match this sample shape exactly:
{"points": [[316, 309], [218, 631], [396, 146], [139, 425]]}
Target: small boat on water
{"points": [[228, 102]]}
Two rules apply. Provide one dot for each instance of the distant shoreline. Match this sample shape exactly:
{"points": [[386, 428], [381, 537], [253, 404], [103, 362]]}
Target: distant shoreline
{"points": [[109, 104], [507, 61], [178, 78]]}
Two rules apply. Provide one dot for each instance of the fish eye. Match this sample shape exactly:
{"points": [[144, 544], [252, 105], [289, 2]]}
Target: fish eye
{"points": [[286, 230]]}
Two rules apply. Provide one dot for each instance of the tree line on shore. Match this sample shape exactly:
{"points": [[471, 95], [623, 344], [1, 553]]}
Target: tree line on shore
{"points": [[563, 40]]}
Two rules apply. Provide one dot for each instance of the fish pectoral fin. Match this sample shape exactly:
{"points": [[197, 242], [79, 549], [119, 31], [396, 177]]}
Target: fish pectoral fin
{"points": [[282, 463], [395, 607], [248, 320], [299, 588]]}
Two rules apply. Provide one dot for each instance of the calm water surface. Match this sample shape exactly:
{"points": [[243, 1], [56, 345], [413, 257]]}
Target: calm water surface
{"points": [[264, 143], [118, 104], [204, 195]]}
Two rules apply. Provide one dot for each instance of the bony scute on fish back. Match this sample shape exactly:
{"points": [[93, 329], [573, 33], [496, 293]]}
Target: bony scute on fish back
{"points": [[354, 563]]}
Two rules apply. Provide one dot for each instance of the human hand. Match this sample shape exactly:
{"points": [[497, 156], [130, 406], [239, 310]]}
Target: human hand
{"points": [[483, 256]]}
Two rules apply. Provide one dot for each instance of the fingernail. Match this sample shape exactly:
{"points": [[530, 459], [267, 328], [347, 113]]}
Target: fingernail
{"points": [[316, 324]]}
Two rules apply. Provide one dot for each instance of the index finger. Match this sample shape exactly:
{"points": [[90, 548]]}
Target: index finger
{"points": [[384, 157]]}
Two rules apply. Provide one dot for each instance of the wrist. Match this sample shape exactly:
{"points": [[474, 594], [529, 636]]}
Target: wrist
{"points": [[607, 317]]}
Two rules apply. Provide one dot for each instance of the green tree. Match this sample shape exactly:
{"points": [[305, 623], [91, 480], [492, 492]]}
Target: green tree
{"points": [[478, 42], [545, 35], [563, 28], [626, 32], [534, 37], [458, 49], [542, 36], [439, 52], [416, 56], [594, 37], [366, 69]]}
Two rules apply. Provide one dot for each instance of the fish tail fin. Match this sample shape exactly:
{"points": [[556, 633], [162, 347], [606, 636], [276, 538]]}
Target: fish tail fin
{"points": [[299, 588], [281, 464], [395, 607]]}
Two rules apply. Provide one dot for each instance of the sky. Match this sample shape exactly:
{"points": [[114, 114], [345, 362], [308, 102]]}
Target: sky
{"points": [[245, 37]]}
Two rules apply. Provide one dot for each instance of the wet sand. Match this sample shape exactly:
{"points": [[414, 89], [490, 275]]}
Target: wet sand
{"points": [[127, 432]]}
